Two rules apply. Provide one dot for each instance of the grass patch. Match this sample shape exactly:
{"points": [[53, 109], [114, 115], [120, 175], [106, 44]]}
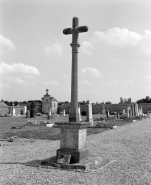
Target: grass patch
{"points": [[41, 131]]}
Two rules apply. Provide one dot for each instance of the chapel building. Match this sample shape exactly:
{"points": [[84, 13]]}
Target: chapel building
{"points": [[49, 102]]}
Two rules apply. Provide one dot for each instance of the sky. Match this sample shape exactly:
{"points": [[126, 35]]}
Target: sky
{"points": [[114, 58]]}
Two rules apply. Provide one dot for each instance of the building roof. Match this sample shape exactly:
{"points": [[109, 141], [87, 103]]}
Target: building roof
{"points": [[2, 104], [54, 99]]}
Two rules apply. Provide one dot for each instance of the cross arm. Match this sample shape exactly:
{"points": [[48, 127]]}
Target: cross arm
{"points": [[82, 29], [67, 31]]}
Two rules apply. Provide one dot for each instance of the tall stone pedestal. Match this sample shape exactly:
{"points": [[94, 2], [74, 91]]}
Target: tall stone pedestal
{"points": [[73, 141]]}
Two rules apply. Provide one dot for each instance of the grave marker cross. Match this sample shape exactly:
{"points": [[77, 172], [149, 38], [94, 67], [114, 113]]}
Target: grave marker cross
{"points": [[75, 30]]}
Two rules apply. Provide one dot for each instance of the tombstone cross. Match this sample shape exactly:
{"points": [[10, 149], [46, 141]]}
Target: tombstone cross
{"points": [[75, 30]]}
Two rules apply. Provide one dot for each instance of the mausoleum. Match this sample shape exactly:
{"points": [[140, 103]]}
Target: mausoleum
{"points": [[49, 102]]}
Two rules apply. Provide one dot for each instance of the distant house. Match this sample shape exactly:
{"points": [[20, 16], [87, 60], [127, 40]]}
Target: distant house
{"points": [[4, 109]]}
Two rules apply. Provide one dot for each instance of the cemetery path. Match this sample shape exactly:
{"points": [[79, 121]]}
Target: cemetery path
{"points": [[127, 150]]}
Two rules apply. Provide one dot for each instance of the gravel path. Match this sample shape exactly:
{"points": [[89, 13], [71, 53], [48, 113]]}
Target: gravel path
{"points": [[128, 148]]}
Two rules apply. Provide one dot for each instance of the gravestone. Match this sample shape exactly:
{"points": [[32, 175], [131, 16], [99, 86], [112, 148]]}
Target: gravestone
{"points": [[80, 119], [74, 133], [124, 112], [89, 113], [136, 109], [49, 113], [118, 115], [127, 111], [13, 112], [107, 113], [103, 109], [32, 110], [130, 113], [64, 112], [141, 110]]}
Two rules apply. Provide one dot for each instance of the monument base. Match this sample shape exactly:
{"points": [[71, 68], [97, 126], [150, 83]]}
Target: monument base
{"points": [[73, 142], [76, 155], [92, 163]]}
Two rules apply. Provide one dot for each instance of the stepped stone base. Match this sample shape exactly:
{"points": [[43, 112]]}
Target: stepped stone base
{"points": [[85, 165]]}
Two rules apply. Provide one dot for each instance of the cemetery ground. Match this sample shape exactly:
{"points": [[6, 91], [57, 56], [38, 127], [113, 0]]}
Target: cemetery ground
{"points": [[17, 126], [125, 153]]}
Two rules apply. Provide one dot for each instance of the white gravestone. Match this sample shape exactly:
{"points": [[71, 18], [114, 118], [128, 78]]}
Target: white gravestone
{"points": [[89, 113], [79, 114]]}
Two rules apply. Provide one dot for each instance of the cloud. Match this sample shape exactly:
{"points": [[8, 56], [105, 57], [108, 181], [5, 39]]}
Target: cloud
{"points": [[4, 85], [52, 82], [147, 77], [86, 47], [109, 84], [118, 37], [84, 82], [116, 81], [55, 49], [92, 71], [117, 43], [5, 44], [18, 68], [17, 81], [129, 81]]}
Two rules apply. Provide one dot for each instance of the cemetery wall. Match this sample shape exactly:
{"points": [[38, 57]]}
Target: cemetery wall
{"points": [[145, 106], [97, 108]]}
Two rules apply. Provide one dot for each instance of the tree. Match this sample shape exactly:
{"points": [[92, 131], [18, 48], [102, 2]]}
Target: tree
{"points": [[108, 102], [144, 100], [15, 103], [7, 103]]}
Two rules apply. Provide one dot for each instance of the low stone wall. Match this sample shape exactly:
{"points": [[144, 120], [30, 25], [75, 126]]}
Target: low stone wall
{"points": [[97, 108]]}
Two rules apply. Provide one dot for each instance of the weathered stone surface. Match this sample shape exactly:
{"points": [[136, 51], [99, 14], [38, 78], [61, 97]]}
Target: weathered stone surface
{"points": [[73, 140]]}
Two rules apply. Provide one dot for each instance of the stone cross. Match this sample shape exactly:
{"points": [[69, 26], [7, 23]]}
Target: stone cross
{"points": [[47, 91], [75, 30]]}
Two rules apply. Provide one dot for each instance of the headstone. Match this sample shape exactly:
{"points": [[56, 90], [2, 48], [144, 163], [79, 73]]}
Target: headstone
{"points": [[124, 112], [13, 111], [89, 113], [127, 111], [107, 113], [64, 112], [32, 110], [130, 113], [141, 110], [74, 132], [79, 114], [136, 109], [28, 114], [49, 113], [103, 109]]}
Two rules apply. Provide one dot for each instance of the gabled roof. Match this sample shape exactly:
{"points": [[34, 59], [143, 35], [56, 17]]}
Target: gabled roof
{"points": [[2, 104], [54, 99]]}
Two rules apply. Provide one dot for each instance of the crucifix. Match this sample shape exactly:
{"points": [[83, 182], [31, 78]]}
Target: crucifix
{"points": [[75, 30], [74, 132]]}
